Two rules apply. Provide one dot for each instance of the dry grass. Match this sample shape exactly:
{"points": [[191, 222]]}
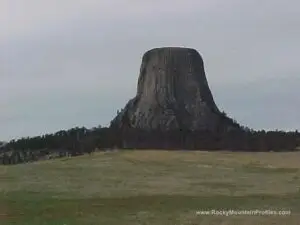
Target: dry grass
{"points": [[151, 187]]}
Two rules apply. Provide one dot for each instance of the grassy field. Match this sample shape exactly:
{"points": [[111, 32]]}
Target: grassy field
{"points": [[151, 187]]}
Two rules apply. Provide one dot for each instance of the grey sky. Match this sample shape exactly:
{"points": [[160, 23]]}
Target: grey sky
{"points": [[66, 63]]}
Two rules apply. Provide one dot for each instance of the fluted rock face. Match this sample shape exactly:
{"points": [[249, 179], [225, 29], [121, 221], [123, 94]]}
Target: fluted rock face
{"points": [[172, 93]]}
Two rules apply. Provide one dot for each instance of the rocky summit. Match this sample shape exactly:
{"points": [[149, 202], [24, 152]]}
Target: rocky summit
{"points": [[172, 93]]}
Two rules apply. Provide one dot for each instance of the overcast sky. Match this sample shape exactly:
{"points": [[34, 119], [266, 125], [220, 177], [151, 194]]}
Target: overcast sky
{"points": [[67, 63]]}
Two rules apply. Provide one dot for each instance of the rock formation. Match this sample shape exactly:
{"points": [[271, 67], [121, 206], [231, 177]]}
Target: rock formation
{"points": [[172, 93]]}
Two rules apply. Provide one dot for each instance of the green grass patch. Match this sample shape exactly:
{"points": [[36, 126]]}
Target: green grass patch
{"points": [[150, 187], [37, 208], [257, 168]]}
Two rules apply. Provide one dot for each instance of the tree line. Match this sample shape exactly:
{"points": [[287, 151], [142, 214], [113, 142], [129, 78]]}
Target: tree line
{"points": [[79, 141]]}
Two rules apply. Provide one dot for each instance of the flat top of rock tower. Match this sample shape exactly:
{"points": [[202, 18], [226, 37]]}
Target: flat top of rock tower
{"points": [[174, 50]]}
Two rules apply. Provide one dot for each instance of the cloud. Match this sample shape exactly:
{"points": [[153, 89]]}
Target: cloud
{"points": [[76, 62], [23, 17]]}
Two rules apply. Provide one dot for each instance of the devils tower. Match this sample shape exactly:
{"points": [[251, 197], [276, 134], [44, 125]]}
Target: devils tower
{"points": [[172, 93]]}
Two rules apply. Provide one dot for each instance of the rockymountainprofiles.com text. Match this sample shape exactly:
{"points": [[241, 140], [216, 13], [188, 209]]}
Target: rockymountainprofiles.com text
{"points": [[255, 212]]}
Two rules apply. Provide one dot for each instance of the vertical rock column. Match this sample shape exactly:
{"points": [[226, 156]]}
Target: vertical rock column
{"points": [[172, 93]]}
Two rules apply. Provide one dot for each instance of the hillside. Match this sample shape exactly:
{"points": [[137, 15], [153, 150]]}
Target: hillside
{"points": [[151, 187]]}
